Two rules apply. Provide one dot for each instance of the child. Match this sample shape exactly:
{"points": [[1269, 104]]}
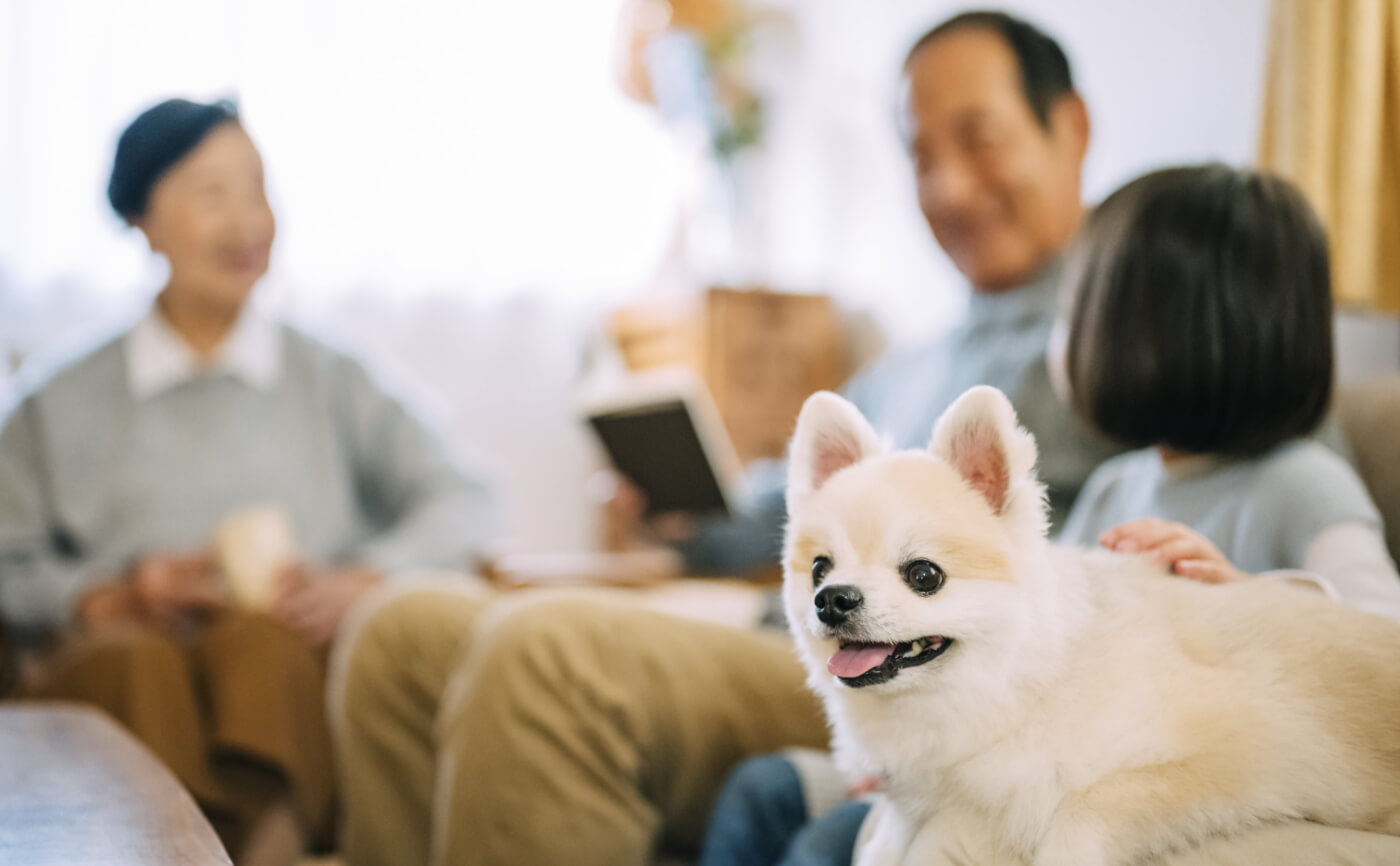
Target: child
{"points": [[1197, 327]]}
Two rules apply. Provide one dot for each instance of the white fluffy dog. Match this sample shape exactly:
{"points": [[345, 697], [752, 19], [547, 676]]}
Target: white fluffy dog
{"points": [[1031, 704]]}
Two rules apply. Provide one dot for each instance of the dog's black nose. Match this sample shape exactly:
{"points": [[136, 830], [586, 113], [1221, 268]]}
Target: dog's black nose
{"points": [[835, 603]]}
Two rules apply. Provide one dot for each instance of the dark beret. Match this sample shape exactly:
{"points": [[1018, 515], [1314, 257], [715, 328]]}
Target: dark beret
{"points": [[160, 137]]}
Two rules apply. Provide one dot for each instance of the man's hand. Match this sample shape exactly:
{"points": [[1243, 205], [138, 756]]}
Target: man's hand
{"points": [[313, 601], [628, 525], [1182, 549]]}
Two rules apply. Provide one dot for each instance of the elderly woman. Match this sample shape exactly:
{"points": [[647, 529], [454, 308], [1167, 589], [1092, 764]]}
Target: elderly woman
{"points": [[115, 472]]}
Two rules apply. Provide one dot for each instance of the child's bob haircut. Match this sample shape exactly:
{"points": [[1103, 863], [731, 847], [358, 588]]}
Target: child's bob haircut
{"points": [[1199, 313]]}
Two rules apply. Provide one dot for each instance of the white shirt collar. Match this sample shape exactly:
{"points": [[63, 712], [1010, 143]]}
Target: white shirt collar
{"points": [[157, 358]]}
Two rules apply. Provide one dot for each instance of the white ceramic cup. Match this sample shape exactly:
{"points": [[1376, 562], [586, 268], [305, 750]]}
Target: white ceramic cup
{"points": [[254, 545]]}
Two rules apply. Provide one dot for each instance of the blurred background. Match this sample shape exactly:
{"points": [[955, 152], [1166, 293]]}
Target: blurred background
{"points": [[489, 201]]}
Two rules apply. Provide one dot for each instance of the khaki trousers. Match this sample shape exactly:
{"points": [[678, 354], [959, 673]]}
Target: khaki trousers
{"points": [[545, 730], [237, 713]]}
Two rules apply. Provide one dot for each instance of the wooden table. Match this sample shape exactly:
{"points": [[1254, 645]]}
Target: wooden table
{"points": [[77, 790]]}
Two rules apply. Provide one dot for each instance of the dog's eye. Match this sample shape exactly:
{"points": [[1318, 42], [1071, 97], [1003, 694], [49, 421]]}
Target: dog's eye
{"points": [[821, 567], [923, 577]]}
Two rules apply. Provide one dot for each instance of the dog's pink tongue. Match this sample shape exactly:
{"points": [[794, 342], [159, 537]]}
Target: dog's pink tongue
{"points": [[856, 660]]}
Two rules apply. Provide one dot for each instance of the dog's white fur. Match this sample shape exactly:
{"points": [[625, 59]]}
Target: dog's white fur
{"points": [[1092, 711]]}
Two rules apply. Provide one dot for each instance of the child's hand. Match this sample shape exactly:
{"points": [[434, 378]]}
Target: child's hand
{"points": [[1182, 549]]}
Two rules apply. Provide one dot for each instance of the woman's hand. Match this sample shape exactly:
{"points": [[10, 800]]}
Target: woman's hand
{"points": [[166, 590], [106, 604], [170, 588], [313, 601], [1182, 549]]}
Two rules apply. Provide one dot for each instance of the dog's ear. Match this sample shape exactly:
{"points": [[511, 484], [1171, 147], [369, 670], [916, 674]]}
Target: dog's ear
{"points": [[831, 435], [979, 437]]}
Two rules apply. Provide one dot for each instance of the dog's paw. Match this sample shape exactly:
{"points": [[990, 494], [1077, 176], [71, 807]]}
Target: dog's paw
{"points": [[884, 837], [876, 853]]}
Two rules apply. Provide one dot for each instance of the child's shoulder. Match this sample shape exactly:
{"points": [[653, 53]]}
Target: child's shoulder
{"points": [[1306, 476], [1302, 464]]}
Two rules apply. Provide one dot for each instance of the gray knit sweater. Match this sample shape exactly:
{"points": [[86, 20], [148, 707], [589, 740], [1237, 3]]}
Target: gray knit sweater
{"points": [[91, 477]]}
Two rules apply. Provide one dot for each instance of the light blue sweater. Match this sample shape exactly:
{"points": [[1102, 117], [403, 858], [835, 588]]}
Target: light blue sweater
{"points": [[91, 478], [1002, 342], [1263, 513]]}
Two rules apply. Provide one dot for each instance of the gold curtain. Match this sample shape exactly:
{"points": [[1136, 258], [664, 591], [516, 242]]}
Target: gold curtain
{"points": [[1331, 123]]}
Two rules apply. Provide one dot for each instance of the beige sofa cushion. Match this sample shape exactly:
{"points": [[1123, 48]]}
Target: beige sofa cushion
{"points": [[1370, 413]]}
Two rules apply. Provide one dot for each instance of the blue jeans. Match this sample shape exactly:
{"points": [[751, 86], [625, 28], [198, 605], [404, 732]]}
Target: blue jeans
{"points": [[760, 819]]}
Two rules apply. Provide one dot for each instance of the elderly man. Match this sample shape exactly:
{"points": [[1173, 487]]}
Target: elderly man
{"points": [[581, 731]]}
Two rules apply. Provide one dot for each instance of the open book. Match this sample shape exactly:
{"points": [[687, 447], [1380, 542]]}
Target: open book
{"points": [[662, 431]]}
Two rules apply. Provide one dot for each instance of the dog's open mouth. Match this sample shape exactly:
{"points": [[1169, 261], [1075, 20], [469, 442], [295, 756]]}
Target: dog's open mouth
{"points": [[866, 664]]}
